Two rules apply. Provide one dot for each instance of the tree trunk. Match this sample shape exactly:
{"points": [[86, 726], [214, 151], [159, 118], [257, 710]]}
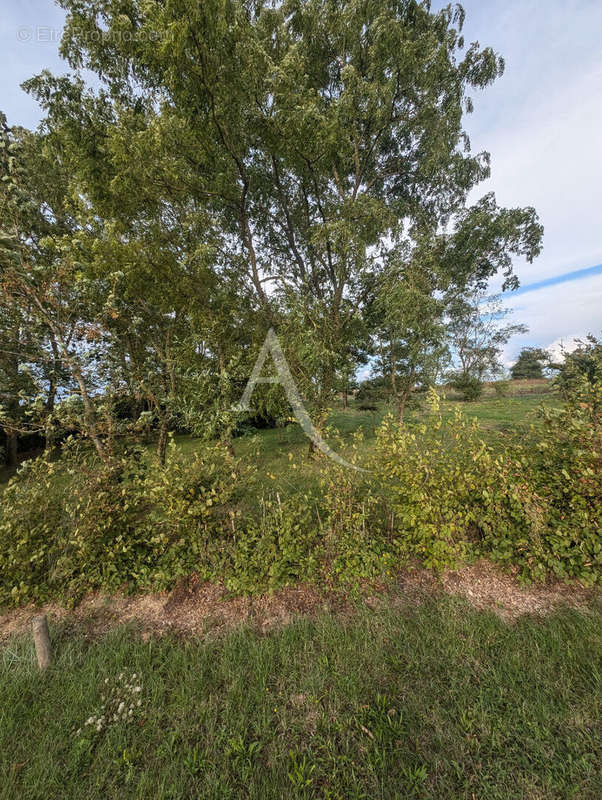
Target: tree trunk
{"points": [[11, 448], [401, 400], [162, 443], [89, 414], [401, 407]]}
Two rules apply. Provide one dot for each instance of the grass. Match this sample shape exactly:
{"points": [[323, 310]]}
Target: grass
{"points": [[429, 701], [273, 451], [269, 449]]}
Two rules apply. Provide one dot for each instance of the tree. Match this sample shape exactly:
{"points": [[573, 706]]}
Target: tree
{"points": [[580, 372], [478, 334], [312, 130], [530, 364], [411, 334], [45, 287]]}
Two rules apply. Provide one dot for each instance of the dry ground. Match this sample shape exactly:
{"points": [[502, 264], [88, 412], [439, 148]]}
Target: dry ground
{"points": [[196, 608]]}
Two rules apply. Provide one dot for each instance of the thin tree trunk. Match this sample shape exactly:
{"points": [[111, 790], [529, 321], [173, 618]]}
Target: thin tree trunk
{"points": [[90, 418], [11, 448], [401, 407], [162, 443]]}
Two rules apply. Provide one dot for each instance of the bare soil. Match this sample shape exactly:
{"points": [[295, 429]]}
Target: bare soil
{"points": [[195, 608]]}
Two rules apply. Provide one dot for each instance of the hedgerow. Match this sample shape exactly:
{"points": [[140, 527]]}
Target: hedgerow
{"points": [[433, 491]]}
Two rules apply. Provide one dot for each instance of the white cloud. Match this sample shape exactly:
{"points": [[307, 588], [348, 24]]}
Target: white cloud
{"points": [[542, 121], [562, 312]]}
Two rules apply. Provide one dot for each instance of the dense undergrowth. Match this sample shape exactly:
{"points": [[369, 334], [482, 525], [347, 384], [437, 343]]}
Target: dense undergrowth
{"points": [[433, 490]]}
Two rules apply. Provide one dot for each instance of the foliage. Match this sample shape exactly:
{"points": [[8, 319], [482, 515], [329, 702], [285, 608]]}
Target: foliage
{"points": [[469, 386], [432, 478], [477, 332], [501, 388], [434, 490], [581, 371], [70, 528], [556, 473], [278, 546], [410, 327], [372, 390], [529, 364]]}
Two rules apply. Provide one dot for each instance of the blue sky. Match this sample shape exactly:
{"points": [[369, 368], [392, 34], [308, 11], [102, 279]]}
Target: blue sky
{"points": [[541, 122]]}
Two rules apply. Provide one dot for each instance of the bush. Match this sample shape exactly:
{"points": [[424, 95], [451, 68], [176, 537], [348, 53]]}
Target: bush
{"points": [[275, 547], [581, 371], [433, 478], [558, 475], [434, 491], [31, 532], [501, 388], [470, 387], [70, 528]]}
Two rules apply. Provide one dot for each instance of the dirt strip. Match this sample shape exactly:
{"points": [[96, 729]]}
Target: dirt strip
{"points": [[197, 608]]}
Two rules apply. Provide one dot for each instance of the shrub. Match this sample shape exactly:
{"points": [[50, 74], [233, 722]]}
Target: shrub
{"points": [[276, 546], [358, 541], [501, 388], [70, 528], [433, 478], [558, 473], [469, 386], [31, 532], [434, 490], [581, 372]]}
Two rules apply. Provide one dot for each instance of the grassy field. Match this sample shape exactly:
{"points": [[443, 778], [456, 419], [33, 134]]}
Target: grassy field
{"points": [[270, 449], [420, 701], [273, 451]]}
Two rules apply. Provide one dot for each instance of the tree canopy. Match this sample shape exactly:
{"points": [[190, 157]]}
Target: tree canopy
{"points": [[243, 165]]}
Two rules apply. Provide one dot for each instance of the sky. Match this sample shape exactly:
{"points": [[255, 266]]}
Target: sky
{"points": [[541, 122]]}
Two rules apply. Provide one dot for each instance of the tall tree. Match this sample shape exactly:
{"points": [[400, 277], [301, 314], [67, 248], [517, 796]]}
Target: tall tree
{"points": [[412, 347], [314, 130], [42, 279]]}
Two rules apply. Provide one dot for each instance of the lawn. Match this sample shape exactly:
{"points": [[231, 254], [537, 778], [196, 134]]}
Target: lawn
{"points": [[430, 700]]}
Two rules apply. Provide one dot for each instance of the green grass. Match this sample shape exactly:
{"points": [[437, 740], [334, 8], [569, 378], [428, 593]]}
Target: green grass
{"points": [[269, 449], [429, 701], [274, 451]]}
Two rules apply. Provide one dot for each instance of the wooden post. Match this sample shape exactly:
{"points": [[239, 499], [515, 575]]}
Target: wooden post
{"points": [[42, 641]]}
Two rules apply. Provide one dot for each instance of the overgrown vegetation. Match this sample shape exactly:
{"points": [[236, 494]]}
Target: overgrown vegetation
{"points": [[433, 489], [161, 223]]}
